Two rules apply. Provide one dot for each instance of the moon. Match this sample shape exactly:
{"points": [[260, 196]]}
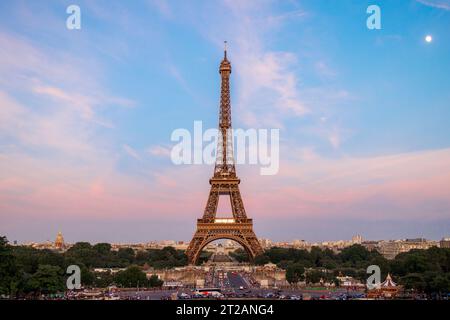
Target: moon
{"points": [[428, 38]]}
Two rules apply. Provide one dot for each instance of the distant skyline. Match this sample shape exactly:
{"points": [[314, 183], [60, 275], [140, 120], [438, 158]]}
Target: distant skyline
{"points": [[86, 117], [394, 231]]}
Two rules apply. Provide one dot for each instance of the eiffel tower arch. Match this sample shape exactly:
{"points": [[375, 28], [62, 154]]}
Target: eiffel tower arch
{"points": [[238, 226]]}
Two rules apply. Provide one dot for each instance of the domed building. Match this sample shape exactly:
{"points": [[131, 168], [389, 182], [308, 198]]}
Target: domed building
{"points": [[59, 242]]}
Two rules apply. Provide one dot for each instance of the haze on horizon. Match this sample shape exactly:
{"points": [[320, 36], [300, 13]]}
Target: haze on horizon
{"points": [[86, 117]]}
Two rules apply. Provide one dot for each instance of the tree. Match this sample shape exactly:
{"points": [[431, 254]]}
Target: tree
{"points": [[102, 279], [142, 256], [204, 256], [131, 277], [126, 254], [9, 276], [277, 254], [80, 246], [240, 255], [317, 256], [416, 262], [284, 264], [169, 257], [102, 248], [329, 264], [27, 258], [314, 276], [295, 273], [440, 284], [47, 279], [154, 281], [413, 281], [261, 259], [351, 272], [87, 277], [436, 283], [49, 257], [82, 253], [355, 256]]}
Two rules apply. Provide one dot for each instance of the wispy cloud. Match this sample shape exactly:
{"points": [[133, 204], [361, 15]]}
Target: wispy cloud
{"points": [[159, 151], [335, 139], [323, 69], [51, 121], [28, 129], [65, 92], [180, 79], [131, 152], [163, 7], [267, 87], [294, 14], [440, 4], [380, 187]]}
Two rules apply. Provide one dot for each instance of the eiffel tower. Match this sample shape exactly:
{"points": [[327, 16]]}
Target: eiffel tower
{"points": [[224, 182]]}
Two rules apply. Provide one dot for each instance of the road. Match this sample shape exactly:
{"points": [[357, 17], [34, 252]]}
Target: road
{"points": [[230, 284], [236, 280], [145, 295]]}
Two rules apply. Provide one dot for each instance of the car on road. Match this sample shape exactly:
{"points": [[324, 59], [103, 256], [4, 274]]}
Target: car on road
{"points": [[184, 296], [269, 295]]}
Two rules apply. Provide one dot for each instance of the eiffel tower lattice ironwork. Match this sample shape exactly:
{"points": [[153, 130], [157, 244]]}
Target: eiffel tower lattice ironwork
{"points": [[224, 182]]}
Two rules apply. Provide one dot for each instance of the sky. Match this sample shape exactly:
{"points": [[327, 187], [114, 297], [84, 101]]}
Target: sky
{"points": [[86, 117]]}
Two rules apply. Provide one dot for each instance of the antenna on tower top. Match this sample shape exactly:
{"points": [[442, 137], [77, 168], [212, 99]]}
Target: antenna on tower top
{"points": [[225, 48]]}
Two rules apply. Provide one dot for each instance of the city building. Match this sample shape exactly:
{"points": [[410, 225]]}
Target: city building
{"points": [[349, 282], [357, 239], [299, 244], [390, 249], [265, 243], [444, 243], [370, 245]]}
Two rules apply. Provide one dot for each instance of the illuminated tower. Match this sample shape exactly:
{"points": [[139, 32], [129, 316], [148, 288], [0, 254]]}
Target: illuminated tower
{"points": [[237, 226]]}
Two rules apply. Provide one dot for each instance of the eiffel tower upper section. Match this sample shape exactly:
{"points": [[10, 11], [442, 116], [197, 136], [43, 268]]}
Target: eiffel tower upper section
{"points": [[225, 166]]}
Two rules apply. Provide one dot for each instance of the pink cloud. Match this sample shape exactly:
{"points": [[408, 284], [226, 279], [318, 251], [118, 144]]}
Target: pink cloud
{"points": [[160, 151], [404, 183], [131, 152], [407, 186]]}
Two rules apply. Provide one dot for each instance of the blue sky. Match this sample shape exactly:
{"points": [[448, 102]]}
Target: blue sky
{"points": [[87, 115]]}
